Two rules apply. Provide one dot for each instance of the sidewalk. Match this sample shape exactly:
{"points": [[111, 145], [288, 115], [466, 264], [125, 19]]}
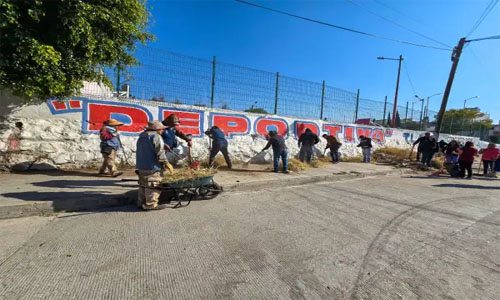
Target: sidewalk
{"points": [[43, 193]]}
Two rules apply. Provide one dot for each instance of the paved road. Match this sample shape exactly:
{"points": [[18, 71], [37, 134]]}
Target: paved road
{"points": [[374, 238]]}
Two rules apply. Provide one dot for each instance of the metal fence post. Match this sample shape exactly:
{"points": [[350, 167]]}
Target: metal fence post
{"points": [[357, 106], [322, 100], [276, 93], [385, 107], [213, 84], [406, 114]]}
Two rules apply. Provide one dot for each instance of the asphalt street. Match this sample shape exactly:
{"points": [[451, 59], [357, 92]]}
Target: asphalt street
{"points": [[389, 237]]}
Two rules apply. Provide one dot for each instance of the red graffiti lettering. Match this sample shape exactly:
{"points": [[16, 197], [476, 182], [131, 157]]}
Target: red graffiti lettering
{"points": [[363, 131], [263, 126], [333, 129], [190, 122], [231, 124], [349, 134], [378, 136], [59, 105], [134, 118], [75, 104], [300, 128]]}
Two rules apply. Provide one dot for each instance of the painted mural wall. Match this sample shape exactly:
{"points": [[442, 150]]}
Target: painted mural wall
{"points": [[65, 133]]}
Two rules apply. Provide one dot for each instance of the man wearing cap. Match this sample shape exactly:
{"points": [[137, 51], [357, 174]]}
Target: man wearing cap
{"points": [[306, 143], [170, 133], [110, 143], [151, 162], [219, 144]]}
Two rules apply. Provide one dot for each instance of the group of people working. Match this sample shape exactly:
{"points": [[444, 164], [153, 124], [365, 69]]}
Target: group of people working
{"points": [[458, 159]]}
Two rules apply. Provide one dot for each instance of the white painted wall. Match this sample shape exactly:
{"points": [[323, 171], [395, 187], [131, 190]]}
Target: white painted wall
{"points": [[58, 139]]}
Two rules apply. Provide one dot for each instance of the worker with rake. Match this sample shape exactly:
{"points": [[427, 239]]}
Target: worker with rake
{"points": [[110, 143], [279, 150], [151, 162], [170, 134], [219, 144]]}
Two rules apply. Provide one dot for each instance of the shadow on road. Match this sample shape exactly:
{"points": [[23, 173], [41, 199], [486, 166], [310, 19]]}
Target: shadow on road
{"points": [[76, 183], [468, 186]]}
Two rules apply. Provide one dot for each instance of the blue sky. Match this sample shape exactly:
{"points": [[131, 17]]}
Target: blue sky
{"points": [[252, 37]]}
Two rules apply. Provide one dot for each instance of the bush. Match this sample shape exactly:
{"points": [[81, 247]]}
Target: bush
{"points": [[256, 110]]}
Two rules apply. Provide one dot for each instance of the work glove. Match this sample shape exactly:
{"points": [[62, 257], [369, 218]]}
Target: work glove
{"points": [[168, 166]]}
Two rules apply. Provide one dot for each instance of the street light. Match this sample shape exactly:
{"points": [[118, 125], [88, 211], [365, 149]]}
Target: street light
{"points": [[400, 59], [421, 111], [465, 101]]}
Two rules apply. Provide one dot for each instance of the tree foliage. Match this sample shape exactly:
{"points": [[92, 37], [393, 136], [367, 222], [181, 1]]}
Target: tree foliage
{"points": [[49, 47], [469, 119], [256, 110]]}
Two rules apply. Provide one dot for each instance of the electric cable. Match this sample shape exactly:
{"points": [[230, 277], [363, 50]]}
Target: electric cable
{"points": [[409, 78], [397, 24], [341, 27], [483, 16]]}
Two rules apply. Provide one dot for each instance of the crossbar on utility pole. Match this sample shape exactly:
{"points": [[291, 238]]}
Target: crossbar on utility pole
{"points": [[357, 106], [276, 93], [455, 57], [322, 100], [213, 84]]}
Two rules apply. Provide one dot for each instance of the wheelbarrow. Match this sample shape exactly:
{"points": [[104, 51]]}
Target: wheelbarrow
{"points": [[182, 192]]}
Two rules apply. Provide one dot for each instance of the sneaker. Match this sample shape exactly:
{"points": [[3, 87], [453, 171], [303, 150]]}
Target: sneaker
{"points": [[286, 171], [469, 178], [116, 174], [158, 207], [275, 171]]}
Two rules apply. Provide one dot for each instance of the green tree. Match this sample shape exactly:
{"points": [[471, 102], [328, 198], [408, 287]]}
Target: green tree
{"points": [[398, 120], [48, 48], [469, 119]]}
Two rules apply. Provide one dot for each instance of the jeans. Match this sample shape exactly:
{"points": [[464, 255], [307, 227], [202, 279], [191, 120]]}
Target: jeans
{"points": [[284, 157], [487, 165], [427, 157], [219, 147], [306, 151], [367, 153], [465, 165], [497, 165], [335, 156]]}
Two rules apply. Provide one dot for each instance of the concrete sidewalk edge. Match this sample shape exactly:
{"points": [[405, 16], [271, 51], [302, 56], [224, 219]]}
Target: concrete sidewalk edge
{"points": [[47, 208]]}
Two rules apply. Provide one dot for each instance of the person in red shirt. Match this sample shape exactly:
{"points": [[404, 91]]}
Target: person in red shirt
{"points": [[490, 155], [466, 158]]}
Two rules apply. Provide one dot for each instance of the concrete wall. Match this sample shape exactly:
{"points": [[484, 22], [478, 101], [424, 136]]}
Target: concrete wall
{"points": [[64, 133]]}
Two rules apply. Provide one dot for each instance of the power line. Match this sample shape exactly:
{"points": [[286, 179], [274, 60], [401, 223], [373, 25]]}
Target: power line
{"points": [[397, 24], [409, 78], [483, 16], [340, 27], [397, 11], [495, 37]]}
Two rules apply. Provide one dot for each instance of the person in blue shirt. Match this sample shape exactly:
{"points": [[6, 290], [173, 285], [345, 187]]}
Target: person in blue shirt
{"points": [[279, 150], [170, 133], [110, 144], [219, 144]]}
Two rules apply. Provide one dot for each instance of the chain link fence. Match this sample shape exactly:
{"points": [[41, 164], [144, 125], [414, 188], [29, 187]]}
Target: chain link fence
{"points": [[181, 79]]}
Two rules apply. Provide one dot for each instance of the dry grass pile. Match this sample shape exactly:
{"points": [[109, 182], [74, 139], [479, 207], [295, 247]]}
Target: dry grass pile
{"points": [[320, 162], [392, 155], [351, 159], [184, 174], [296, 165]]}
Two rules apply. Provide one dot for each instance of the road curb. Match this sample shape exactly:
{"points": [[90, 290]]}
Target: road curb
{"points": [[47, 208]]}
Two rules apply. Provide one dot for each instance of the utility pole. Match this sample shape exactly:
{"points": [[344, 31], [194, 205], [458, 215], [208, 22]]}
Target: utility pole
{"points": [[455, 57], [400, 59], [396, 94], [385, 106], [421, 111]]}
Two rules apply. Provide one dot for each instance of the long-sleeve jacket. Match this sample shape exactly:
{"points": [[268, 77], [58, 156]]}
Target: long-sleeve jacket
{"points": [[365, 143], [278, 143], [169, 136], [110, 137], [217, 135], [150, 154], [332, 143], [308, 139]]}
